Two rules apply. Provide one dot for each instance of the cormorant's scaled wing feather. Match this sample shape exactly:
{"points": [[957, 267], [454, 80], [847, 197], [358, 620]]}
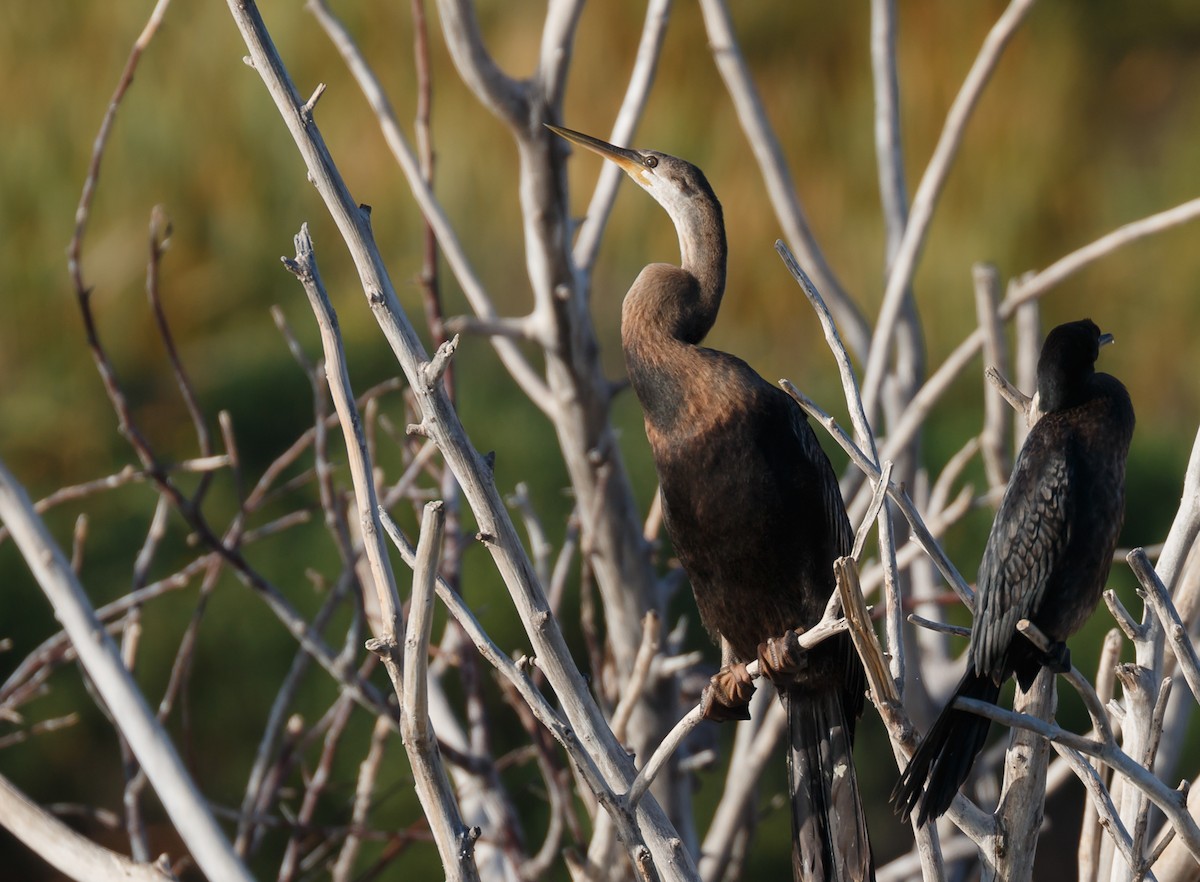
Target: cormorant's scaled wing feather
{"points": [[831, 501], [1029, 536]]}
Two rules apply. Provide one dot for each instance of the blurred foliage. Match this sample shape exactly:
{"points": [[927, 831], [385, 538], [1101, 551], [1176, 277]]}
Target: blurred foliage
{"points": [[1093, 120]]}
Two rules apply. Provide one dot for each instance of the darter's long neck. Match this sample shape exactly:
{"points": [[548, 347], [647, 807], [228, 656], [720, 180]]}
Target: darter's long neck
{"points": [[702, 247]]}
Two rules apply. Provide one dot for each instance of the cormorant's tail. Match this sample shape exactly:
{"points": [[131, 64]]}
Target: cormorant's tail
{"points": [[829, 830], [944, 759]]}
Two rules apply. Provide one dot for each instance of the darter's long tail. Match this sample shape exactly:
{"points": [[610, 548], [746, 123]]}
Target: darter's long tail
{"points": [[829, 830], [944, 759]]}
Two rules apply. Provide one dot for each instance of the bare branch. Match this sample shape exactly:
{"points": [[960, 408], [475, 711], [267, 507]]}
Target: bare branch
{"points": [[68, 852], [554, 58], [304, 267], [940, 627], [879, 494], [591, 229], [454, 841], [1027, 290], [511, 671], [993, 440], [1155, 593], [831, 623], [496, 91], [925, 200], [781, 189], [531, 384], [897, 494], [1170, 801], [1017, 400], [1031, 286], [99, 657], [1023, 793], [83, 211], [1091, 699], [863, 435], [889, 151], [1100, 803]]}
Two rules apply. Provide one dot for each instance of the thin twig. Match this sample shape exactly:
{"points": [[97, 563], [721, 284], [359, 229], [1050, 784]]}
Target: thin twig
{"points": [[160, 236], [928, 192], [531, 384], [781, 189], [513, 673], [863, 435], [1154, 592], [1017, 400], [304, 267], [1167, 799], [99, 657], [831, 623], [455, 842], [878, 495], [369, 773], [1027, 290], [940, 627], [69, 852], [637, 91], [994, 438], [631, 692], [897, 494]]}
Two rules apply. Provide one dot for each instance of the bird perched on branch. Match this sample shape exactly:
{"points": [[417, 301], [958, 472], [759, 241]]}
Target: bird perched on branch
{"points": [[1048, 555], [752, 506]]}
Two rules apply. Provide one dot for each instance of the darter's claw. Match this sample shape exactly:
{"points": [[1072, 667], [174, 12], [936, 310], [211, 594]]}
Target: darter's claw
{"points": [[1058, 658], [781, 658], [727, 695]]}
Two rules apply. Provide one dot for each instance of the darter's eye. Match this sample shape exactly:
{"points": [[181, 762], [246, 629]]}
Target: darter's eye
{"points": [[650, 162]]}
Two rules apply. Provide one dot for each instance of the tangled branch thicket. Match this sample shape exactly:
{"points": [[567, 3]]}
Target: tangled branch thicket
{"points": [[579, 756]]}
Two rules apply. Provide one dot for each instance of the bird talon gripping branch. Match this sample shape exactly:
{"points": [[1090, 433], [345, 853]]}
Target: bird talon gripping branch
{"points": [[1057, 658], [780, 659], [727, 695]]}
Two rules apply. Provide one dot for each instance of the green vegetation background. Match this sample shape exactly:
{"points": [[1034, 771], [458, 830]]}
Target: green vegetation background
{"points": [[1093, 120]]}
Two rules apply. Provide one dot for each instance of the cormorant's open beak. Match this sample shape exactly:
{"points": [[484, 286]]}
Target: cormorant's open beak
{"points": [[1105, 339], [630, 160]]}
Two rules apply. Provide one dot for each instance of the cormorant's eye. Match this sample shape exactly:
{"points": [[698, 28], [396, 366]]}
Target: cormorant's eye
{"points": [[650, 162]]}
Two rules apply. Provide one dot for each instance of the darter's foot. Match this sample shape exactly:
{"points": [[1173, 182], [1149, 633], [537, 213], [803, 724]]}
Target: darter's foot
{"points": [[727, 695], [781, 658], [1058, 658]]}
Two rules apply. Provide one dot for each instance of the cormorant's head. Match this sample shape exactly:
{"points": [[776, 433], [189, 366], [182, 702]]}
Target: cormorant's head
{"points": [[1066, 364], [677, 185]]}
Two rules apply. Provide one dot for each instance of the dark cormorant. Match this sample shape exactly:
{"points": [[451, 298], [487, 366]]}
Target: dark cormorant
{"points": [[752, 506], [1048, 555]]}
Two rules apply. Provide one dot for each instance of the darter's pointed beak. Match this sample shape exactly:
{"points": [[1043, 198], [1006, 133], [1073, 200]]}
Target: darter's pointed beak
{"points": [[630, 160]]}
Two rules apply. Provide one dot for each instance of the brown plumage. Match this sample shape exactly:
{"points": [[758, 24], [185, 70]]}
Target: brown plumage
{"points": [[1047, 557], [750, 502]]}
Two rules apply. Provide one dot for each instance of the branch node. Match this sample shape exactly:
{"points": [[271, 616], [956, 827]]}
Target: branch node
{"points": [[306, 109], [433, 370], [381, 646], [466, 842], [1133, 630], [1018, 400]]}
